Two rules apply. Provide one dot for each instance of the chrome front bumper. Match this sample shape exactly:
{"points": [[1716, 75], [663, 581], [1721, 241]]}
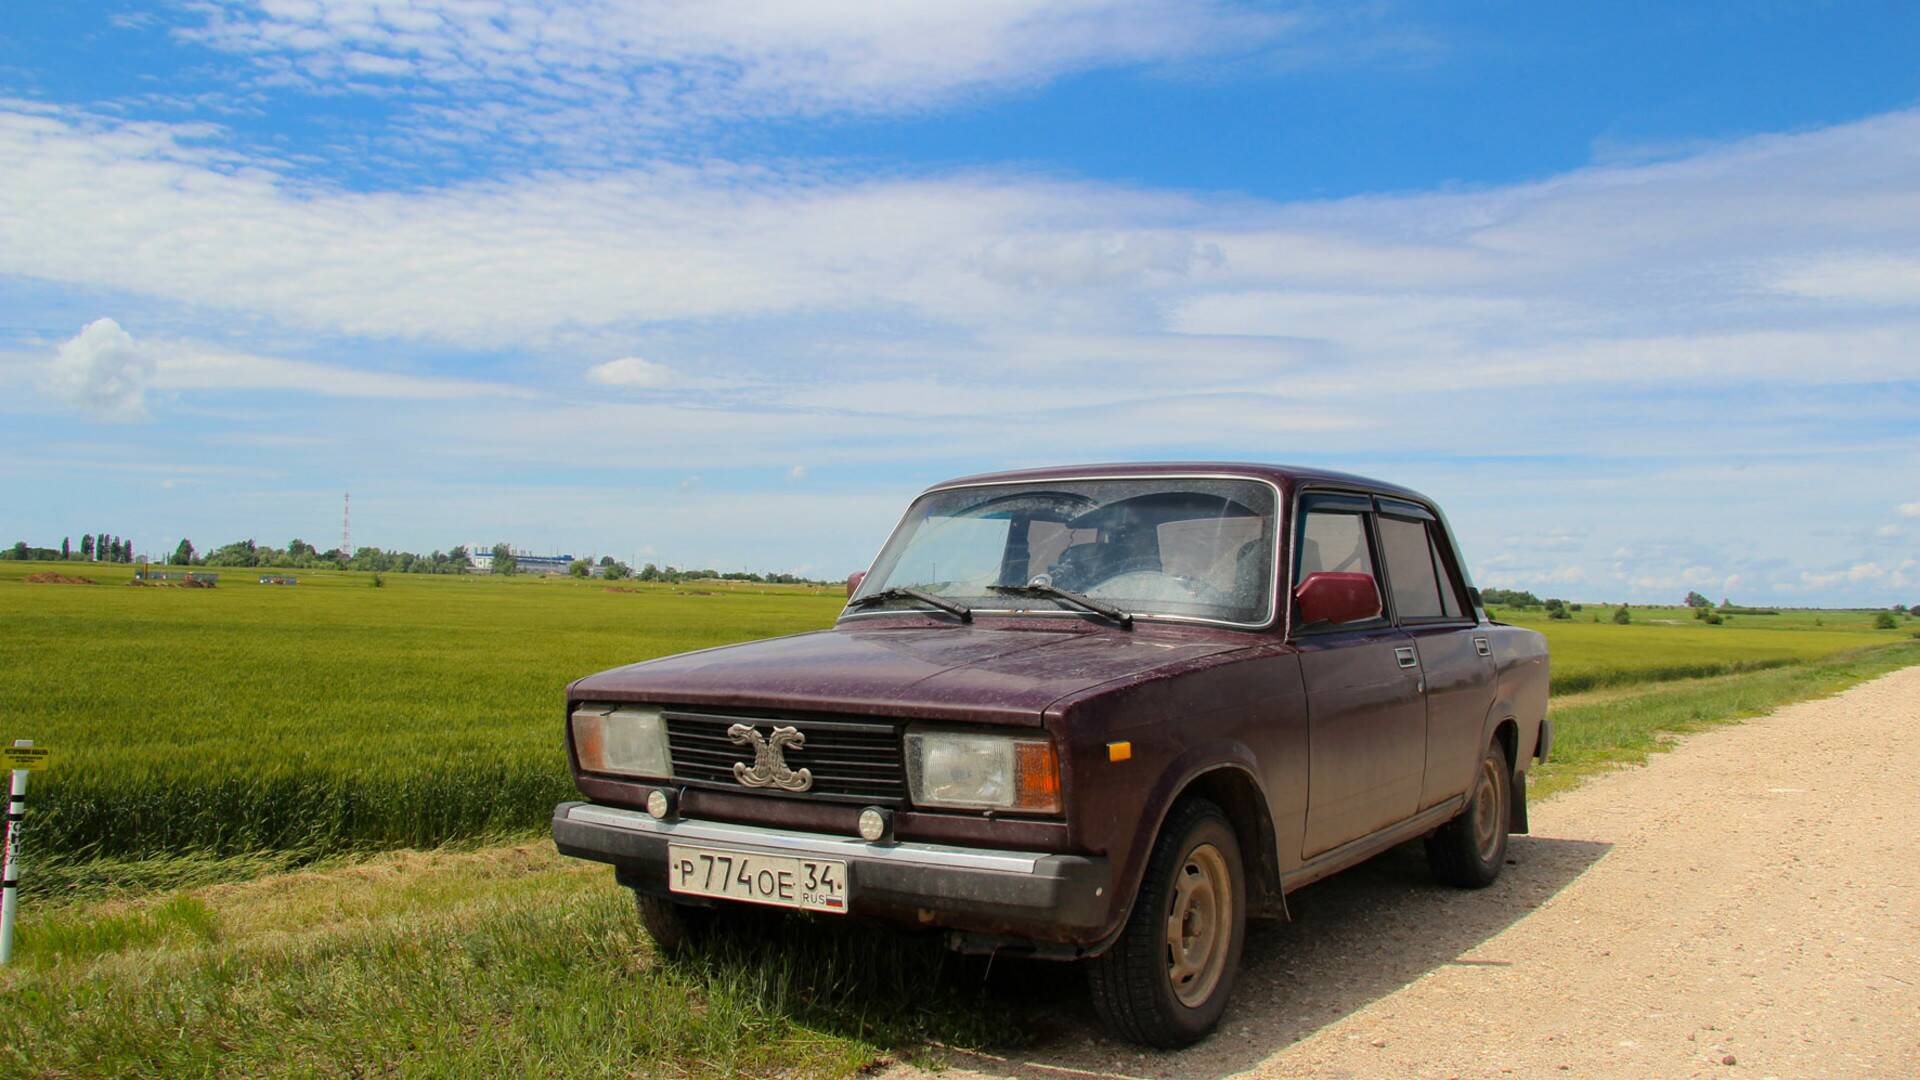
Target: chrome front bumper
{"points": [[1019, 894]]}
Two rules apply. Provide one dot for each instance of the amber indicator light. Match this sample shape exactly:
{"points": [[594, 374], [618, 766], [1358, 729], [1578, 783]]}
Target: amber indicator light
{"points": [[1119, 751], [1037, 785]]}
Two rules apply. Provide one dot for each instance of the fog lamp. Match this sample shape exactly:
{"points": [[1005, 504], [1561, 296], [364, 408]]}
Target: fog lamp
{"points": [[659, 805], [873, 824]]}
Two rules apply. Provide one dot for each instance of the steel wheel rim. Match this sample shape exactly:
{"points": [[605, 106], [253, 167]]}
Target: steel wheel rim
{"points": [[1199, 925], [1486, 811]]}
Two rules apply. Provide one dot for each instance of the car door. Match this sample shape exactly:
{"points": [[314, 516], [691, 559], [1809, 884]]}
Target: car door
{"points": [[1435, 613], [1366, 716]]}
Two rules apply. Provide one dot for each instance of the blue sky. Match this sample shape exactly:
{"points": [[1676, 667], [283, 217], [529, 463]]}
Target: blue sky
{"points": [[1633, 291]]}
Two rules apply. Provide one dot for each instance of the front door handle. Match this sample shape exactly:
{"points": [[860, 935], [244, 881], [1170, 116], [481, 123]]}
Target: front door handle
{"points": [[1481, 646], [1406, 656]]}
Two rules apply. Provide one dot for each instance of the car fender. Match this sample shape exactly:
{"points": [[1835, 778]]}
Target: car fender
{"points": [[1175, 780]]}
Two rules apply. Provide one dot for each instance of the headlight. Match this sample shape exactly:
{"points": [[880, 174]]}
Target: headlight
{"points": [[983, 772], [630, 740]]}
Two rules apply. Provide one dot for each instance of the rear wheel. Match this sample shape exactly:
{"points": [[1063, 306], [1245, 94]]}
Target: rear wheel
{"points": [[1470, 850], [1165, 982]]}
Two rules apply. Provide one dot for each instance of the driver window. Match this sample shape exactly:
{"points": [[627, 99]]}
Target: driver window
{"points": [[1334, 542]]}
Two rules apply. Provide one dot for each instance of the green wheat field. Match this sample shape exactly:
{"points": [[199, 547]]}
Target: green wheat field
{"points": [[200, 730], [298, 831]]}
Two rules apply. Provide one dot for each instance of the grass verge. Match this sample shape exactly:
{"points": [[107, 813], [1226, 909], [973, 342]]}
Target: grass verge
{"points": [[506, 962]]}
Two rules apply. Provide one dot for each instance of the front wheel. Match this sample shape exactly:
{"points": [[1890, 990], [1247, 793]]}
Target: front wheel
{"points": [[674, 928], [1470, 850], [1165, 982]]}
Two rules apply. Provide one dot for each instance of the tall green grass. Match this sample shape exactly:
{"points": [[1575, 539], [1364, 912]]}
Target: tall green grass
{"points": [[279, 724], [1668, 643]]}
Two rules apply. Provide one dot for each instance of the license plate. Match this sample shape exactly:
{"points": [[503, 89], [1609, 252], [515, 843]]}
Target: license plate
{"points": [[807, 884]]}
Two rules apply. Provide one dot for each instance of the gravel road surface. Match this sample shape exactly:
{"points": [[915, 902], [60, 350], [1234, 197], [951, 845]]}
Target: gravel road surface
{"points": [[1746, 905]]}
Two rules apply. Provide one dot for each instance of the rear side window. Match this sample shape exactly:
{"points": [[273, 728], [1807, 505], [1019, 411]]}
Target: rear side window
{"points": [[1335, 542], [1449, 584], [1409, 558]]}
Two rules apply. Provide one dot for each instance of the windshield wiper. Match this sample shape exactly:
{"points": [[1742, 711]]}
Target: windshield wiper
{"points": [[1098, 607], [907, 592]]}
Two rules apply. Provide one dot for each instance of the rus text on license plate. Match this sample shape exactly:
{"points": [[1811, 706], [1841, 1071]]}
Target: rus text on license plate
{"points": [[808, 884]]}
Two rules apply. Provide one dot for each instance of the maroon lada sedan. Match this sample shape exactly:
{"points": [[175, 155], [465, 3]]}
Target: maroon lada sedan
{"points": [[1102, 713]]}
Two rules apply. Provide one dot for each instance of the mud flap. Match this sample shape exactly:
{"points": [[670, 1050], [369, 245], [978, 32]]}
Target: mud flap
{"points": [[1517, 804]]}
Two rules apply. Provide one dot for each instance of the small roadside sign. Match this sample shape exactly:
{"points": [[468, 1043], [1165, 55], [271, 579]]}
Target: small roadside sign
{"points": [[30, 758]]}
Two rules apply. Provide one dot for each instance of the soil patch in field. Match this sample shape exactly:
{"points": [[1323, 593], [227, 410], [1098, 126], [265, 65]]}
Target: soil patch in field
{"points": [[48, 577]]}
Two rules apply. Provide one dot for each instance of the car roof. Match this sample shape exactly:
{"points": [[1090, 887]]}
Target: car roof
{"points": [[1288, 478]]}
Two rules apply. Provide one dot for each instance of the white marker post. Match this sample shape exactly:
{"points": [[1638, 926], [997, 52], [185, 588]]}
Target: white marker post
{"points": [[10, 865]]}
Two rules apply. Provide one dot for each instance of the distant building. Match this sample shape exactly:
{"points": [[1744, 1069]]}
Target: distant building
{"points": [[482, 558]]}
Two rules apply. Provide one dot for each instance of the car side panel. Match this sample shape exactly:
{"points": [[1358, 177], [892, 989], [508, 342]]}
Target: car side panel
{"points": [[1245, 711], [1367, 735], [1460, 689], [1521, 678]]}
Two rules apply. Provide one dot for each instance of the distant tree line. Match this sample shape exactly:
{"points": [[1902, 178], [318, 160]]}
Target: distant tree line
{"points": [[94, 547], [675, 575], [300, 555]]}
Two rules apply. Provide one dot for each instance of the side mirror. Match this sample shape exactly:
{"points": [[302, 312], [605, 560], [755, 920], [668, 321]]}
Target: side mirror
{"points": [[1338, 598], [853, 581]]}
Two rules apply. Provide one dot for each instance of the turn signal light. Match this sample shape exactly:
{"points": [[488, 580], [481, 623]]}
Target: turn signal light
{"points": [[1037, 777]]}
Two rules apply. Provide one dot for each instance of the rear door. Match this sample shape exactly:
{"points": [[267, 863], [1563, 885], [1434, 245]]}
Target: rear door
{"points": [[1366, 716], [1434, 611]]}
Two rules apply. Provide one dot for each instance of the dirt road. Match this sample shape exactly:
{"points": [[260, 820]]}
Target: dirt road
{"points": [[1747, 905]]}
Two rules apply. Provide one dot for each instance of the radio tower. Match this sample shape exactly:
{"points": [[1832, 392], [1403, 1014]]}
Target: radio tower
{"points": [[346, 525]]}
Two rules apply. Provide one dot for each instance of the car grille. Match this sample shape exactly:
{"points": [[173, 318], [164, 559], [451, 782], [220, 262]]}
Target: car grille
{"points": [[857, 761]]}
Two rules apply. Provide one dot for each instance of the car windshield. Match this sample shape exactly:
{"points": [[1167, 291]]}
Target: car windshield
{"points": [[1166, 546]]}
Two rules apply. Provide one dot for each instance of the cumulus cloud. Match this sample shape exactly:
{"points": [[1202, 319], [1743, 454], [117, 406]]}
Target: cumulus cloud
{"points": [[102, 370], [1911, 509], [631, 371], [797, 473]]}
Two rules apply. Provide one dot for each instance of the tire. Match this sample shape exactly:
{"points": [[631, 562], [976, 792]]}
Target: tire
{"points": [[1148, 990], [1470, 850], [675, 928]]}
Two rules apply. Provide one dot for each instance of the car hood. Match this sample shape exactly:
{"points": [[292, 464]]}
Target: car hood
{"points": [[976, 674]]}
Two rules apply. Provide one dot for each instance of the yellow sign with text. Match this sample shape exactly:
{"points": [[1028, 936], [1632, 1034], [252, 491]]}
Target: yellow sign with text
{"points": [[30, 758]]}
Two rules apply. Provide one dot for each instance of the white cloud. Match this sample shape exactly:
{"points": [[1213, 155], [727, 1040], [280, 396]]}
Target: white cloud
{"points": [[797, 473], [1616, 275], [1911, 509], [1888, 532], [1865, 278], [106, 371], [631, 371], [101, 369], [189, 367], [582, 77], [1855, 574]]}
